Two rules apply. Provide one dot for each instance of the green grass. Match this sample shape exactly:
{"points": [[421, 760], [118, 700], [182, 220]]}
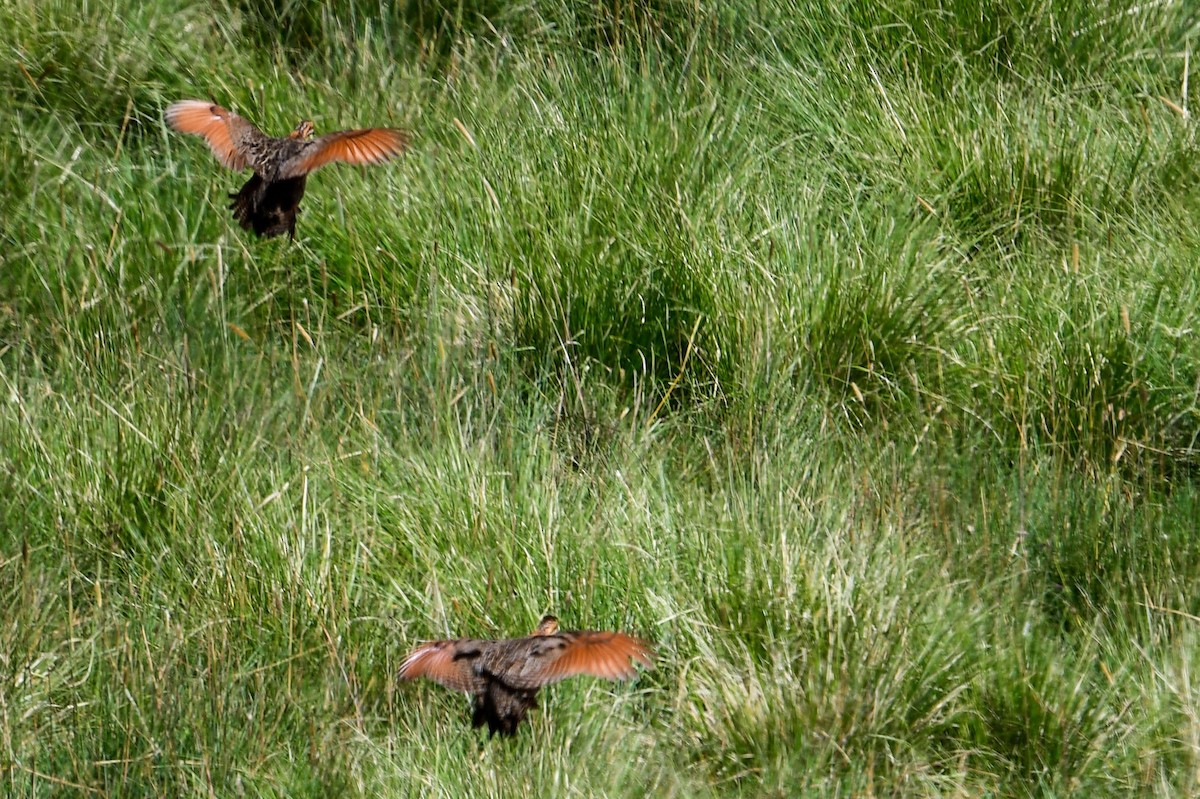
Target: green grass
{"points": [[849, 352]]}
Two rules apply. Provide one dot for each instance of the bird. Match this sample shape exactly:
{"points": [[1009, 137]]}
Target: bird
{"points": [[503, 677], [269, 200]]}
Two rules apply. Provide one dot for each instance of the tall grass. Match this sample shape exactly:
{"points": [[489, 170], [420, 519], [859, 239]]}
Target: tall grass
{"points": [[847, 352]]}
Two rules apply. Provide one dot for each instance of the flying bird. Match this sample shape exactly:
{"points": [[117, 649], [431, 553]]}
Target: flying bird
{"points": [[270, 199], [503, 677]]}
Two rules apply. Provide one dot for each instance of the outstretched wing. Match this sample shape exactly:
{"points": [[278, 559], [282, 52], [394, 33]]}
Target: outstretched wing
{"points": [[549, 658], [360, 147], [215, 124], [450, 663]]}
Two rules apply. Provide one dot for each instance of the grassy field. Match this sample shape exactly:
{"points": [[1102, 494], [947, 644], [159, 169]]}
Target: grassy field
{"points": [[848, 351]]}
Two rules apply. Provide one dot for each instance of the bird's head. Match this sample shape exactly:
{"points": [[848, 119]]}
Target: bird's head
{"points": [[302, 131], [547, 626]]}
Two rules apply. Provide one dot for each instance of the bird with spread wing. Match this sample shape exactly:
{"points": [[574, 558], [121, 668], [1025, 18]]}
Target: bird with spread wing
{"points": [[503, 677], [268, 202]]}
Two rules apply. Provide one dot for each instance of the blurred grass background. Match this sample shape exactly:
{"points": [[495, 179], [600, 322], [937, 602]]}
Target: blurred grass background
{"points": [[846, 350]]}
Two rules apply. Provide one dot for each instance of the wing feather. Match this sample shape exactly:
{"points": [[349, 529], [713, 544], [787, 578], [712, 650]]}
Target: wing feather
{"points": [[609, 655], [359, 147], [202, 118], [449, 663]]}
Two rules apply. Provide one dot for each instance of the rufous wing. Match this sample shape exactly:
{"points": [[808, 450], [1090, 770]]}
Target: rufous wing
{"points": [[202, 118], [610, 655], [447, 662], [359, 147]]}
